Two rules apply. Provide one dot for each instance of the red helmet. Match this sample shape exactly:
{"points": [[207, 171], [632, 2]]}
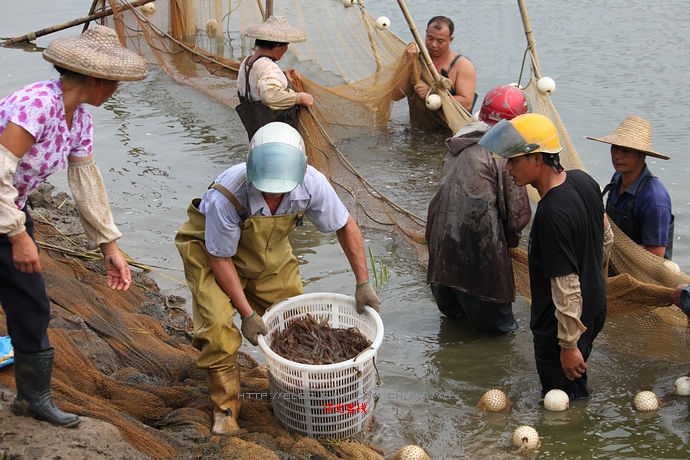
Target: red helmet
{"points": [[503, 103]]}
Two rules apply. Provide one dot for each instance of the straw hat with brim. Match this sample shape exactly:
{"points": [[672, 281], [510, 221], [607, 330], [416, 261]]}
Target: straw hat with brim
{"points": [[633, 133], [96, 53], [276, 29]]}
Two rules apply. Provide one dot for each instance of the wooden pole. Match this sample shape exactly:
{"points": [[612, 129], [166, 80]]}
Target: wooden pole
{"points": [[422, 47], [49, 30], [269, 9], [530, 39], [91, 11]]}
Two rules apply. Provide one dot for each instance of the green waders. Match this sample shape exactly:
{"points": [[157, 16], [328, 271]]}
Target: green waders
{"points": [[268, 273]]}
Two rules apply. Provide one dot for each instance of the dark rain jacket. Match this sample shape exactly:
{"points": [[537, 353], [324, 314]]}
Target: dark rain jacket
{"points": [[476, 215]]}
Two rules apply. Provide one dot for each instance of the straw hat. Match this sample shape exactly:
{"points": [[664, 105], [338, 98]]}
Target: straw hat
{"points": [[633, 133], [276, 29], [96, 53]]}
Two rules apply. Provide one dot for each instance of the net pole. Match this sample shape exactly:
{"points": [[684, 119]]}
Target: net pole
{"points": [[530, 39], [49, 30], [269, 9]]}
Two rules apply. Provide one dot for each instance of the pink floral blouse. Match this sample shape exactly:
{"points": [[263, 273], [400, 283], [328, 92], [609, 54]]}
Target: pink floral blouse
{"points": [[39, 109]]}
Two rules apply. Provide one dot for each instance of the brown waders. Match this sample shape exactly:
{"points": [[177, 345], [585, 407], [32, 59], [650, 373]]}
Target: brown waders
{"points": [[268, 273]]}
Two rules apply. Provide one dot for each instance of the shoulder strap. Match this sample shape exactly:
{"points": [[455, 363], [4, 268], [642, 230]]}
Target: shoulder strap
{"points": [[452, 63], [608, 188], [244, 215], [248, 68]]}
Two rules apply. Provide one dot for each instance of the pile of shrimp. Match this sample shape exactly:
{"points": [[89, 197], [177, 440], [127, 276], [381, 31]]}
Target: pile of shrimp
{"points": [[308, 341]]}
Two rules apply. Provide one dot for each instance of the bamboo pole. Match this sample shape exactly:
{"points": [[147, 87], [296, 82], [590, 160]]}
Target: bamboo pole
{"points": [[530, 39], [422, 47], [49, 30], [269, 9], [92, 10]]}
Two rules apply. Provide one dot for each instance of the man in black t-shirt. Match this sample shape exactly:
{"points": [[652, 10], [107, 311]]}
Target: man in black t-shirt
{"points": [[568, 247]]}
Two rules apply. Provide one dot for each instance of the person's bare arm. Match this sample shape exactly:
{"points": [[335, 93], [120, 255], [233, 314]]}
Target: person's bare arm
{"points": [[656, 250], [465, 82], [351, 241], [227, 278]]}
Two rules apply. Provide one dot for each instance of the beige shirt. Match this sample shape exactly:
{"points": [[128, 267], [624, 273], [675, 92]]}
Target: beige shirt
{"points": [[268, 84]]}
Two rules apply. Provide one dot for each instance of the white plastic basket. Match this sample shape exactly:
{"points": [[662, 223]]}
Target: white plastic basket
{"points": [[332, 400]]}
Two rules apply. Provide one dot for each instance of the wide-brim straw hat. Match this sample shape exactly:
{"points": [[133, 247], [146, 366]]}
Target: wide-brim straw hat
{"points": [[97, 53], [633, 133], [275, 29]]}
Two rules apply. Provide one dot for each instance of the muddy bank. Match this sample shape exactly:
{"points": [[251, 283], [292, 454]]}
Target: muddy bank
{"points": [[124, 363]]}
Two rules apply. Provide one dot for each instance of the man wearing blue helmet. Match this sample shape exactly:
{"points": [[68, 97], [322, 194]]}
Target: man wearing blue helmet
{"points": [[237, 256]]}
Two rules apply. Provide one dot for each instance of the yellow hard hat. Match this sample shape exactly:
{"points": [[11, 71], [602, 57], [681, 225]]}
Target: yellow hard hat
{"points": [[524, 134]]}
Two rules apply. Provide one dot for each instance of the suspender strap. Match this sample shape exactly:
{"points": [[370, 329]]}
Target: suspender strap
{"points": [[247, 69], [244, 215]]}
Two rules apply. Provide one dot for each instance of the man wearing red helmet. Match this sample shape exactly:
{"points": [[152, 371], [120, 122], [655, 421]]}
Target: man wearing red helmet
{"points": [[477, 214]]}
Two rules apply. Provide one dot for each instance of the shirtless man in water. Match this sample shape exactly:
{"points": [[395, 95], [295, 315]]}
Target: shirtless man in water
{"points": [[439, 36]]}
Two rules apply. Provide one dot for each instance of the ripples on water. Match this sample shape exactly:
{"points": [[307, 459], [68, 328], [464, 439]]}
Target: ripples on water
{"points": [[160, 144]]}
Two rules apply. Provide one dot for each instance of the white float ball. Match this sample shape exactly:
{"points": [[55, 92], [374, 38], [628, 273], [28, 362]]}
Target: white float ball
{"points": [[383, 22], [515, 84], [682, 386], [433, 102], [475, 115], [546, 85], [347, 3], [211, 26], [556, 400], [646, 400], [149, 9], [525, 438], [411, 452]]}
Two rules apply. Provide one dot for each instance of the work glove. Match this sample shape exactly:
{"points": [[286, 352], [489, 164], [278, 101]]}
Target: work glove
{"points": [[252, 326], [365, 295]]}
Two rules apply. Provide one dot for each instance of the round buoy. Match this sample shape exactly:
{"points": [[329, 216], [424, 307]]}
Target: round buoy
{"points": [[433, 102], [411, 452], [383, 22], [646, 400], [682, 386], [546, 85], [525, 438], [211, 26], [556, 400], [149, 9], [347, 3], [494, 400]]}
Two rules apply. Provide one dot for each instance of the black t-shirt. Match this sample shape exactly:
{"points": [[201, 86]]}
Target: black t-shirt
{"points": [[567, 237]]}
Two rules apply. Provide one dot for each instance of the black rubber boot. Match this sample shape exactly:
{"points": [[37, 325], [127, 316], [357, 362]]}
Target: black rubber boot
{"points": [[32, 372]]}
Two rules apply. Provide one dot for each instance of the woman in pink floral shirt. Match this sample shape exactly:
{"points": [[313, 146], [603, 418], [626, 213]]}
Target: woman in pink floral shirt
{"points": [[45, 127]]}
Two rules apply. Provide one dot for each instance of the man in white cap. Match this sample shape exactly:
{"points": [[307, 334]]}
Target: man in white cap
{"points": [[238, 259], [265, 93], [46, 127], [638, 203]]}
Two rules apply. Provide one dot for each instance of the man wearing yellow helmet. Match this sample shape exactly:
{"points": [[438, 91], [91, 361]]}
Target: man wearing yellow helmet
{"points": [[567, 279]]}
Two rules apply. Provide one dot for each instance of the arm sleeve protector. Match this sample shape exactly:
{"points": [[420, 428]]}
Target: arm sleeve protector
{"points": [[11, 219], [565, 291], [87, 188]]}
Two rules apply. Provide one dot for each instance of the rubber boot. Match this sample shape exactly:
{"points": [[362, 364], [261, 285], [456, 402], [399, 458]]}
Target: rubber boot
{"points": [[32, 372], [224, 388]]}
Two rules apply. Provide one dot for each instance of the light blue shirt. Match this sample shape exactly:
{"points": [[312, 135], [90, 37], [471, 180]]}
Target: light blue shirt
{"points": [[315, 198]]}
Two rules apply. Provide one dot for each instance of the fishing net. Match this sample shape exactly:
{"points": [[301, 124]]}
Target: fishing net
{"points": [[118, 356], [362, 70], [126, 358]]}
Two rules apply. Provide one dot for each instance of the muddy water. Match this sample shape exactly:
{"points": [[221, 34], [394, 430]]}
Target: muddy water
{"points": [[160, 144]]}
